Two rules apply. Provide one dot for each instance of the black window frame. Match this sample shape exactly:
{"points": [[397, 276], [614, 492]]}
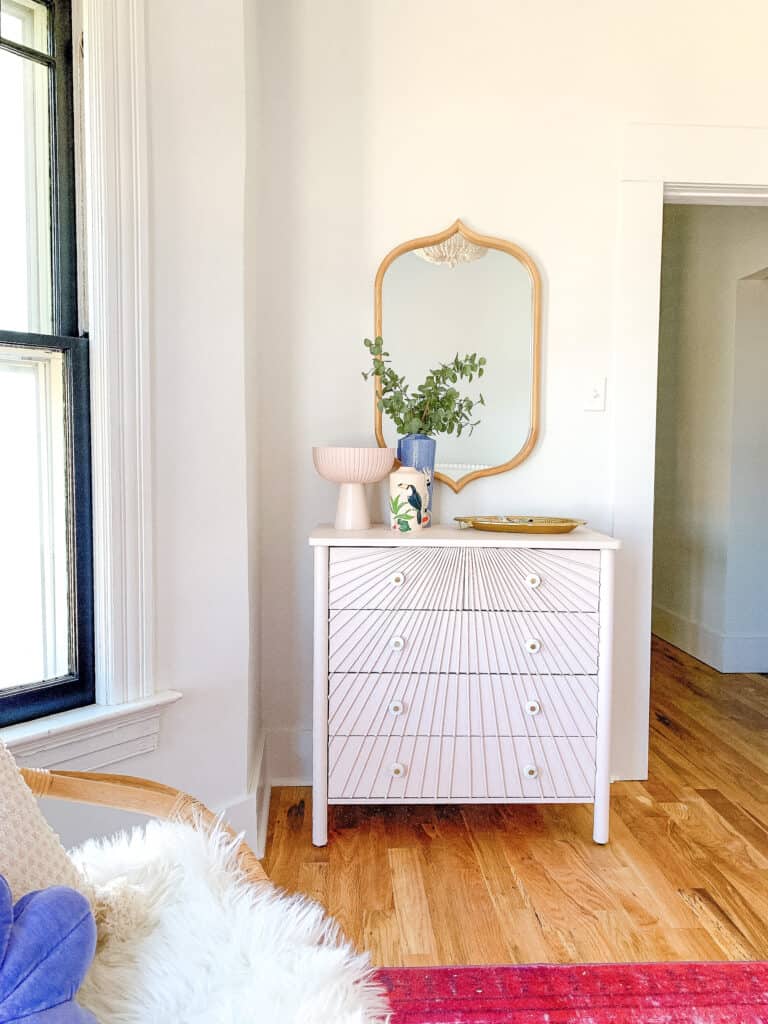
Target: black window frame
{"points": [[78, 688]]}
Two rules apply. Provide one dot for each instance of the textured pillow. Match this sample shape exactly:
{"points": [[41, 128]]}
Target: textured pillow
{"points": [[31, 854]]}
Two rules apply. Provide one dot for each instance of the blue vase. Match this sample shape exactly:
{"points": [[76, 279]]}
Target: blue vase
{"points": [[418, 451]]}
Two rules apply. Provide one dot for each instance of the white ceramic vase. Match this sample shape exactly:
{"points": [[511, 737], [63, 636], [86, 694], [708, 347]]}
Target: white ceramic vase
{"points": [[408, 500]]}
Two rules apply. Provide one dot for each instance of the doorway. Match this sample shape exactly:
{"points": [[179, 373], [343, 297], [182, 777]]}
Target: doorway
{"points": [[710, 563]]}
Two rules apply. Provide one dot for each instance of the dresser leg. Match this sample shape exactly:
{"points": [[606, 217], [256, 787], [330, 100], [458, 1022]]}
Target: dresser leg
{"points": [[601, 823], [319, 818]]}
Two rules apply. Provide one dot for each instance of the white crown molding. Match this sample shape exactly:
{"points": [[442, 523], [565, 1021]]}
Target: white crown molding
{"points": [[682, 193], [117, 241], [90, 738]]}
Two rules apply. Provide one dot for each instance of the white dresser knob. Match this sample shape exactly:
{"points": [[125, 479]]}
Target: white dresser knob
{"points": [[397, 579], [533, 581], [397, 707], [397, 643], [530, 771], [397, 770], [534, 646], [532, 707]]}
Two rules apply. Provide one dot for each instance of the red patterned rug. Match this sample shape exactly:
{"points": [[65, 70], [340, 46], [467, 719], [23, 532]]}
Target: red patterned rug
{"points": [[702, 993]]}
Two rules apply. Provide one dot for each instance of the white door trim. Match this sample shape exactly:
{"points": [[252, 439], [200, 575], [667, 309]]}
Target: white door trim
{"points": [[674, 162], [118, 289]]}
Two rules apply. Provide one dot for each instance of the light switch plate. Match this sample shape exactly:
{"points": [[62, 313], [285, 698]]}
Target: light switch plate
{"points": [[595, 395]]}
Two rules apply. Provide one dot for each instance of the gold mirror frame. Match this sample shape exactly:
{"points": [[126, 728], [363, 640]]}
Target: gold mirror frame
{"points": [[458, 227]]}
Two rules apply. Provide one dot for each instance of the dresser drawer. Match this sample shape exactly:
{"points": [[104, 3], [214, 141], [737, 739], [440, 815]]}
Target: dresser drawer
{"points": [[529, 579], [451, 704], [487, 578], [462, 768], [508, 643], [381, 578]]}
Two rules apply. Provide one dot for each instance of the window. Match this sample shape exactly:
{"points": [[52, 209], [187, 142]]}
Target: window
{"points": [[46, 575]]}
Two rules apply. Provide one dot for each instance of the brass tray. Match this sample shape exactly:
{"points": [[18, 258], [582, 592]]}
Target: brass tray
{"points": [[519, 524]]}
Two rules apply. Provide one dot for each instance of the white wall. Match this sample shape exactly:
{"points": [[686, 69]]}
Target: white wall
{"points": [[712, 436], [384, 121], [196, 102], [367, 123], [746, 613]]}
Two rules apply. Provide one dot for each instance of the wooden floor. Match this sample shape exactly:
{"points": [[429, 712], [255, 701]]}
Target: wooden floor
{"points": [[685, 876]]}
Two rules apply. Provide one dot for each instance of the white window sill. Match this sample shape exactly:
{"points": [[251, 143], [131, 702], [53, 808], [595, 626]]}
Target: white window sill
{"points": [[90, 738]]}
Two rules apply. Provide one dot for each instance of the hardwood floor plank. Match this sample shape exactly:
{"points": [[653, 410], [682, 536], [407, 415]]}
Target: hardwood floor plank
{"points": [[347, 853], [726, 840], [670, 909], [702, 682], [313, 881], [285, 850], [500, 879], [719, 925], [739, 755], [696, 944], [381, 938], [465, 921], [741, 821], [668, 763], [591, 935], [683, 877], [407, 867], [518, 921], [738, 889]]}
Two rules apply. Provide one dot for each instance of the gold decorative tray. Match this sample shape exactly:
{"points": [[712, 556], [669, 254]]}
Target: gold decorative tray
{"points": [[519, 524]]}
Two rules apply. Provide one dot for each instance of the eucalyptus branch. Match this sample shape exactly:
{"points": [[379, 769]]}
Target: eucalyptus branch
{"points": [[435, 406]]}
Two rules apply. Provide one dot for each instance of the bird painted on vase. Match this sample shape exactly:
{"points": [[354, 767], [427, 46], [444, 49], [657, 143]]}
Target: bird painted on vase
{"points": [[414, 500]]}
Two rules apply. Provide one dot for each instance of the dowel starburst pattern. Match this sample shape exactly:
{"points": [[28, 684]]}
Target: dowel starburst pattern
{"points": [[462, 673]]}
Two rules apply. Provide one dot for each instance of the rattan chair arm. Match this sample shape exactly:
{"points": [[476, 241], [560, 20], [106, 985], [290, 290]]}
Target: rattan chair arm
{"points": [[128, 793]]}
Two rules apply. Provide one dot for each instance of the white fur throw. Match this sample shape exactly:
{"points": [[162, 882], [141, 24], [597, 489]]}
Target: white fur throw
{"points": [[184, 939]]}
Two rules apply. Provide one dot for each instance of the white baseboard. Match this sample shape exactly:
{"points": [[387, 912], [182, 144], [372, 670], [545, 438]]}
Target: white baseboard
{"points": [[693, 638], [285, 760], [745, 653], [725, 652], [292, 780], [249, 813], [261, 790], [240, 814]]}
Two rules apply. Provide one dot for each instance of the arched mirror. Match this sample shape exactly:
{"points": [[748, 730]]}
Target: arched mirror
{"points": [[461, 292]]}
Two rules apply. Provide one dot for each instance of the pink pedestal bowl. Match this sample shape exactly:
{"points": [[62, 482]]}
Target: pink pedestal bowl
{"points": [[352, 468]]}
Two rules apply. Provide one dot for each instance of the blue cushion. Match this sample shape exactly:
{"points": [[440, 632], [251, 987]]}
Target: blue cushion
{"points": [[47, 942]]}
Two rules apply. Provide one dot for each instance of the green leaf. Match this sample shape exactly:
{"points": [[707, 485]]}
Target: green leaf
{"points": [[434, 406]]}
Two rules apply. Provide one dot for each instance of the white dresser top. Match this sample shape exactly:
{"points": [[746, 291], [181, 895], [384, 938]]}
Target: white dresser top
{"points": [[441, 536]]}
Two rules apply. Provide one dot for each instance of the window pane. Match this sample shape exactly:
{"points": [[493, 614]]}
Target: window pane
{"points": [[25, 196], [25, 22], [35, 626]]}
